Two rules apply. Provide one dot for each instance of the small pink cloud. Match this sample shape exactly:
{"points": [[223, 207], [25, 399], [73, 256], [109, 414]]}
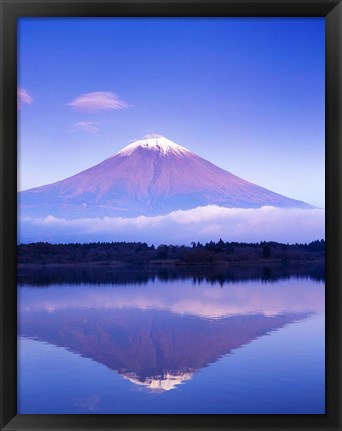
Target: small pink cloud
{"points": [[98, 101], [23, 96], [84, 126]]}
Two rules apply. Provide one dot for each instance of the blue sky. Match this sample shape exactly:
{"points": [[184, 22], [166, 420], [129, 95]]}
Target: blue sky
{"points": [[246, 94]]}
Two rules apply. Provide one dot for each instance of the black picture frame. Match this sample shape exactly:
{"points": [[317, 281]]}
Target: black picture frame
{"points": [[10, 11]]}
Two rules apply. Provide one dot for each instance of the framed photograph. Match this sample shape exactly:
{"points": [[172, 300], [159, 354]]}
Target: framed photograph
{"points": [[170, 215]]}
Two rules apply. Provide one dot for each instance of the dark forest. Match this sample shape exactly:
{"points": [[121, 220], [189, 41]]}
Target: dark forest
{"points": [[137, 253]]}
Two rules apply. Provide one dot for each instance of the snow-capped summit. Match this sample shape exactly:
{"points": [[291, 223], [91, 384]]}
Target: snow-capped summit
{"points": [[155, 143], [164, 382]]}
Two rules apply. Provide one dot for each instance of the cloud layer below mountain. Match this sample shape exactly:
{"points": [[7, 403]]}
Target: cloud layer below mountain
{"points": [[181, 227]]}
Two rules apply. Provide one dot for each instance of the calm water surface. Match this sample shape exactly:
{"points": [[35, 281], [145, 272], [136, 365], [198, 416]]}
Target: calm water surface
{"points": [[138, 342]]}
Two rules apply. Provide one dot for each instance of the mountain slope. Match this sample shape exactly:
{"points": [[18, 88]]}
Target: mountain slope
{"points": [[152, 176]]}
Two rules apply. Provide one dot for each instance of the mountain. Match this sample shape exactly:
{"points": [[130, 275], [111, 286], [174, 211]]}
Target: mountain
{"points": [[151, 176]]}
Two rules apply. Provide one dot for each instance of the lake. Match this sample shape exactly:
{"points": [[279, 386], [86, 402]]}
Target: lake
{"points": [[199, 341]]}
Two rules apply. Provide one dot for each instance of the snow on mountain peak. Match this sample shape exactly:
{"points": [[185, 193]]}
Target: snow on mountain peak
{"points": [[165, 383], [155, 143]]}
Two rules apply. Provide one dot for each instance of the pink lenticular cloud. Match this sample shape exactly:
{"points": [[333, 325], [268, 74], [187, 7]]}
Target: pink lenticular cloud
{"points": [[23, 96], [84, 126], [98, 101]]}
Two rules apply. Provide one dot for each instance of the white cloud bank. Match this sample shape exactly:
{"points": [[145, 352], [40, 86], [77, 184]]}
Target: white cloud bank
{"points": [[23, 96], [97, 101], [181, 227]]}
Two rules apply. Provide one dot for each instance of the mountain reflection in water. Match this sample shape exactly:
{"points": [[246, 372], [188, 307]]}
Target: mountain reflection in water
{"points": [[160, 334]]}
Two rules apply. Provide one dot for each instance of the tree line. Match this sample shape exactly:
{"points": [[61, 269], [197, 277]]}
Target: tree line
{"points": [[219, 252]]}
